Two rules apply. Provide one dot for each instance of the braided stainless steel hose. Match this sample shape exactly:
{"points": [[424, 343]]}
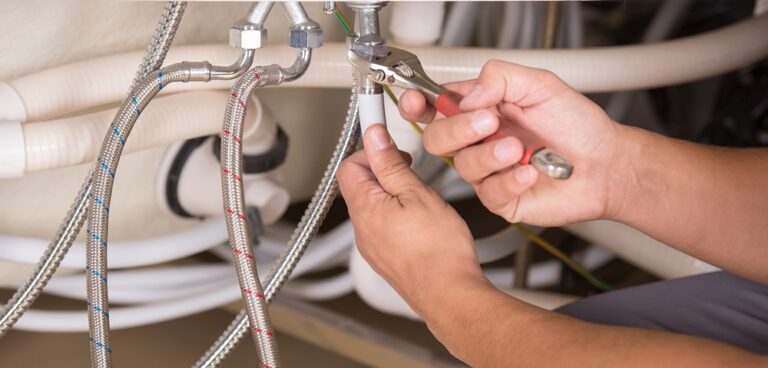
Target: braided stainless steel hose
{"points": [[234, 207], [23, 298], [161, 41], [103, 178], [306, 230]]}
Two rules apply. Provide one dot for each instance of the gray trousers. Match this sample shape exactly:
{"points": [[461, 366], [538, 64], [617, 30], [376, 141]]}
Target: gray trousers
{"points": [[717, 305]]}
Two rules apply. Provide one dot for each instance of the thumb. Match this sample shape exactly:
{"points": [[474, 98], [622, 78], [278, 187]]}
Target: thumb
{"points": [[392, 170]]}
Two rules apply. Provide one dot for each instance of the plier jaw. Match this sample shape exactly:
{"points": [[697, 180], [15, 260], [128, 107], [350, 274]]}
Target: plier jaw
{"points": [[399, 69]]}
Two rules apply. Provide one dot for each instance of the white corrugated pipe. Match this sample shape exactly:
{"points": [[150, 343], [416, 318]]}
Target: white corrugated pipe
{"points": [[74, 87], [76, 140]]}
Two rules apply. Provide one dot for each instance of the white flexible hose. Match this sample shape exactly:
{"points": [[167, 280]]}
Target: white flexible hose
{"points": [[125, 254], [101, 81], [216, 295], [75, 140]]}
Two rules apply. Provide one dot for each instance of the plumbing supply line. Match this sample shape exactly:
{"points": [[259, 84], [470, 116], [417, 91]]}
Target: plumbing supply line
{"points": [[25, 295], [102, 181], [306, 229], [234, 206], [161, 41], [232, 190], [258, 12], [601, 69], [73, 222]]}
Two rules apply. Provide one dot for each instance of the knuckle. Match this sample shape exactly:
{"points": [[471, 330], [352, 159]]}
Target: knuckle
{"points": [[493, 66]]}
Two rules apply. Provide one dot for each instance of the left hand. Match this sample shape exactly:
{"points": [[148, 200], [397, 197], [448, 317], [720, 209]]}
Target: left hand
{"points": [[406, 232]]}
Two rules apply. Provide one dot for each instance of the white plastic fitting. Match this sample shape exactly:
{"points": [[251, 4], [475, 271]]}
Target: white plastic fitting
{"points": [[11, 105], [199, 186], [12, 149]]}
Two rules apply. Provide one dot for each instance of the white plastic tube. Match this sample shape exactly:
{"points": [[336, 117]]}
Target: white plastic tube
{"points": [[125, 254], [76, 140], [640, 249], [605, 69], [371, 111]]}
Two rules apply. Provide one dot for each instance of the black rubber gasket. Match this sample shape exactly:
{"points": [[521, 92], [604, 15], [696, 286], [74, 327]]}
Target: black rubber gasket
{"points": [[263, 162], [174, 174]]}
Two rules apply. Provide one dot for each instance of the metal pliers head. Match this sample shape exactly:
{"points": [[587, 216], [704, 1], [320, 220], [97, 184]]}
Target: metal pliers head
{"points": [[400, 69]]}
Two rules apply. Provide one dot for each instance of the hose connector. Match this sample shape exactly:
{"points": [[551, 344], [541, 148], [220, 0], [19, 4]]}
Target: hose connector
{"points": [[304, 33], [247, 36]]}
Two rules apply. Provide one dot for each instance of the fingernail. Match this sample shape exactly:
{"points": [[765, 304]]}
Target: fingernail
{"points": [[504, 150], [405, 103], [472, 96], [483, 122], [379, 137], [524, 174]]}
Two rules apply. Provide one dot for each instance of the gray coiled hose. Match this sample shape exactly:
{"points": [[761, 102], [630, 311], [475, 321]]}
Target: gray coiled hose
{"points": [[234, 207], [307, 228], [161, 41], [23, 298]]}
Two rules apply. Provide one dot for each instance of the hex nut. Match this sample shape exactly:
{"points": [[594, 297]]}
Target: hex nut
{"points": [[248, 38], [303, 38]]}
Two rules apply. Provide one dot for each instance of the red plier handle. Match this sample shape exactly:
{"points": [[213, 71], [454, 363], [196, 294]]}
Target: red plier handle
{"points": [[545, 160]]}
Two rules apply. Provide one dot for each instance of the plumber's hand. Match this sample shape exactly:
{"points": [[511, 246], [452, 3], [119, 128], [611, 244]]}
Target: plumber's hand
{"points": [[405, 231], [511, 106]]}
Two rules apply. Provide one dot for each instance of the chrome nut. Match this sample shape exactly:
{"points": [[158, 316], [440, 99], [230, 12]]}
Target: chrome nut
{"points": [[370, 47], [247, 37], [305, 37]]}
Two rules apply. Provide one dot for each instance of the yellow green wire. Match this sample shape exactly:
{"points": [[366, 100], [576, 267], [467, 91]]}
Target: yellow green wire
{"points": [[575, 266], [594, 280], [342, 20]]}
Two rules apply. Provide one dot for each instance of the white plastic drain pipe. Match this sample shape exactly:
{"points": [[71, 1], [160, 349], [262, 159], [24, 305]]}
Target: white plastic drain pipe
{"points": [[74, 87]]}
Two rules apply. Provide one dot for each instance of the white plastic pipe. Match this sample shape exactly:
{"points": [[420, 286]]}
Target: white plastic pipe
{"points": [[125, 254], [371, 109], [605, 69], [76, 140], [640, 249]]}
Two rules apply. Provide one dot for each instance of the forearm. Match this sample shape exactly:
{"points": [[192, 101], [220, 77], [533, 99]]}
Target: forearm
{"points": [[709, 202], [486, 328]]}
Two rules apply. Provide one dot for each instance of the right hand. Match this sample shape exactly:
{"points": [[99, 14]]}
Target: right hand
{"points": [[510, 107]]}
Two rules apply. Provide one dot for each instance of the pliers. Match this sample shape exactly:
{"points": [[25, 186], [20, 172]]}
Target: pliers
{"points": [[403, 69]]}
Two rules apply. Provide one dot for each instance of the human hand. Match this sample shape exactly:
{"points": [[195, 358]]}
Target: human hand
{"points": [[510, 107], [403, 229]]}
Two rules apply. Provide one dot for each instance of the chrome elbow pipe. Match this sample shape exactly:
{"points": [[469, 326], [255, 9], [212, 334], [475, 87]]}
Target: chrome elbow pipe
{"points": [[234, 70], [299, 66]]}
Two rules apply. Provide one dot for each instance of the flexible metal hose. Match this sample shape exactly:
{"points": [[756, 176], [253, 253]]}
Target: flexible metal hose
{"points": [[98, 214], [23, 298], [161, 41], [305, 231], [234, 206]]}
